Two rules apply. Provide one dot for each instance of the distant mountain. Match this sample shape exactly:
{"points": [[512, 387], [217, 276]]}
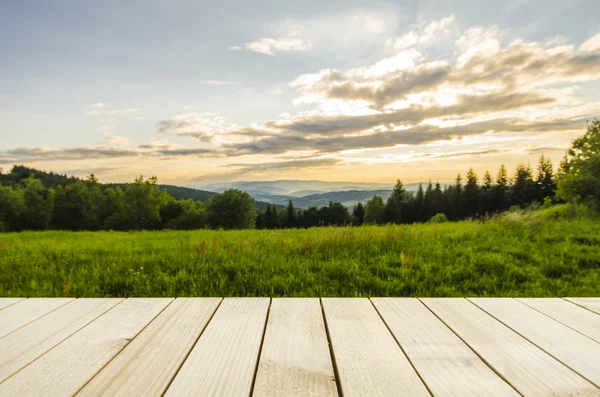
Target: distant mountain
{"points": [[349, 198], [294, 188], [305, 194]]}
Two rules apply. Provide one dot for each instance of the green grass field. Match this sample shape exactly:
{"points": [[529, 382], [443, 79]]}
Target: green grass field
{"points": [[516, 255]]}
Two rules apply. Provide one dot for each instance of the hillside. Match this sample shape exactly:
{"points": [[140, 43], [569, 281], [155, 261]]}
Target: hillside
{"points": [[52, 180]]}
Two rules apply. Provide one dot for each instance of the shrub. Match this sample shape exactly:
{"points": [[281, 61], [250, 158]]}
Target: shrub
{"points": [[439, 218]]}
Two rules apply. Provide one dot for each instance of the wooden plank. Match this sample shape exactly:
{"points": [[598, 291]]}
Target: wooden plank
{"points": [[223, 362], [69, 366], [578, 352], [16, 316], [571, 315], [6, 302], [592, 304], [31, 341], [447, 366], [295, 358], [527, 368], [148, 364], [368, 359]]}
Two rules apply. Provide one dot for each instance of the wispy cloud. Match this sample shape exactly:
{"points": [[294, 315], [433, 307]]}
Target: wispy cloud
{"points": [[33, 154], [96, 105], [115, 140], [422, 33], [591, 45], [111, 112], [294, 42], [219, 82]]}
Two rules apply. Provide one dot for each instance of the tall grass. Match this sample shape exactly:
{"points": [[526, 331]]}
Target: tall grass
{"points": [[519, 254]]}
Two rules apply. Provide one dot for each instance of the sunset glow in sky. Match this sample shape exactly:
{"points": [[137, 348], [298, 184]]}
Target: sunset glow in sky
{"points": [[198, 92]]}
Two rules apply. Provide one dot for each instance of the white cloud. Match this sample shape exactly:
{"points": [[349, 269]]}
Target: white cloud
{"points": [[219, 82], [236, 48], [140, 118], [96, 105], [404, 60], [109, 112], [591, 45], [423, 33], [294, 42], [115, 140], [477, 41]]}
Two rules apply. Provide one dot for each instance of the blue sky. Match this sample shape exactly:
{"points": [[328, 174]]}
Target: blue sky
{"points": [[196, 92]]}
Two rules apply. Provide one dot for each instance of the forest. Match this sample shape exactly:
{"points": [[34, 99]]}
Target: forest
{"points": [[35, 200]]}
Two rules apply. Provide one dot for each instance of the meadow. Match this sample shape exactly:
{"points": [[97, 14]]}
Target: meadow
{"points": [[544, 253]]}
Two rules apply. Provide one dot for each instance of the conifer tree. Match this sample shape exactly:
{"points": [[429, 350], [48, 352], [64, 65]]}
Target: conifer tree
{"points": [[393, 207], [545, 179], [471, 196], [359, 214]]}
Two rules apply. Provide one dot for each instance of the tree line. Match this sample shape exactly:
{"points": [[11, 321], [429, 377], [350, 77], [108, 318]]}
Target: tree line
{"points": [[461, 200], [34, 200], [29, 204]]}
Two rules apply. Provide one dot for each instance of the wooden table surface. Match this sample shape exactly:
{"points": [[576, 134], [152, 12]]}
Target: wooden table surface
{"points": [[300, 347]]}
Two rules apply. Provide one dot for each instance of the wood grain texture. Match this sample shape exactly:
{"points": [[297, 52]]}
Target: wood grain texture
{"points": [[446, 364], [571, 315], [592, 304], [148, 364], [6, 302], [31, 341], [295, 358], [368, 359], [570, 347], [527, 368], [69, 366], [223, 362], [16, 316]]}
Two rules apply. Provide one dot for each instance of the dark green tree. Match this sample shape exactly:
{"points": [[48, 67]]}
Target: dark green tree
{"points": [[579, 179], [375, 211], [69, 207], [38, 203], [486, 193], [523, 190], [12, 207], [290, 216], [393, 207], [546, 187], [419, 213], [142, 203], [500, 191], [471, 199], [232, 209], [310, 217], [359, 214]]}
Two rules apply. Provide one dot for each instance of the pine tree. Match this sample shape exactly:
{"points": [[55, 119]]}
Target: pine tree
{"points": [[393, 207], [471, 196], [455, 200], [545, 179], [428, 205], [500, 191], [291, 215], [486, 193], [419, 215], [523, 187], [359, 214], [270, 217]]}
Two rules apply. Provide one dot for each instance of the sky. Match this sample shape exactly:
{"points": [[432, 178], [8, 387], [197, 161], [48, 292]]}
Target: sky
{"points": [[198, 92]]}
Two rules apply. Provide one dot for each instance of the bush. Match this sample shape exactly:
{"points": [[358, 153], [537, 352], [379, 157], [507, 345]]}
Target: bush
{"points": [[439, 218]]}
